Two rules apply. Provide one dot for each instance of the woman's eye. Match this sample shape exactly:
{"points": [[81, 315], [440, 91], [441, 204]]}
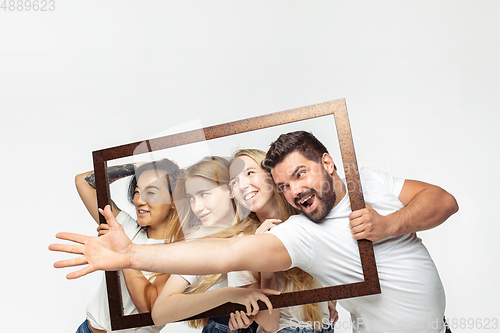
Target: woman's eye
{"points": [[190, 199], [233, 183], [249, 173], [203, 195]]}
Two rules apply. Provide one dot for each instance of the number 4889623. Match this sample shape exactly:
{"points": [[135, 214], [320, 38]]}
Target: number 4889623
{"points": [[28, 5]]}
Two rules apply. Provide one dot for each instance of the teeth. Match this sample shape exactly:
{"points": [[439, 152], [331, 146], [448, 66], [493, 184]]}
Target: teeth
{"points": [[143, 211], [305, 199], [249, 196]]}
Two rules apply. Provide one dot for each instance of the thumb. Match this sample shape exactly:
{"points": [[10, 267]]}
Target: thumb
{"points": [[108, 215]]}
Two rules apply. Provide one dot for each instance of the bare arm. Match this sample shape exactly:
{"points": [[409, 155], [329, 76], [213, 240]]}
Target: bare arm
{"points": [[425, 207], [173, 305], [269, 321], [212, 255], [85, 185], [143, 292], [114, 251]]}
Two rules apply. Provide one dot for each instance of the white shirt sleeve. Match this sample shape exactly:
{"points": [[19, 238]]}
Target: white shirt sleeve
{"points": [[297, 240], [393, 184], [189, 278], [129, 225], [240, 279]]}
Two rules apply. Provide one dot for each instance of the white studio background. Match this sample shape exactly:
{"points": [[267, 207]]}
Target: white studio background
{"points": [[421, 80]]}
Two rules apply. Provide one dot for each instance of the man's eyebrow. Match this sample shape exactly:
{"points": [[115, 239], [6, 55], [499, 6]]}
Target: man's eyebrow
{"points": [[297, 170], [278, 184]]}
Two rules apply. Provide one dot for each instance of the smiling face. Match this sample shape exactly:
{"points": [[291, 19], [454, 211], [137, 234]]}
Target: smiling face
{"points": [[152, 202], [251, 186], [307, 185], [210, 203]]}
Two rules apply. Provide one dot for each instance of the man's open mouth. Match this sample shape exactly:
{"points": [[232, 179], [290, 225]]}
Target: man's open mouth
{"points": [[307, 201]]}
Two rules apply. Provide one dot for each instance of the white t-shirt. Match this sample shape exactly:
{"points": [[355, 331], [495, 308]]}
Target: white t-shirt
{"points": [[289, 316], [412, 298], [98, 308]]}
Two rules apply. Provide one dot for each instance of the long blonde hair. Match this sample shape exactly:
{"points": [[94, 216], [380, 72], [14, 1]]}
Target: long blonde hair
{"points": [[295, 278], [212, 168], [215, 169]]}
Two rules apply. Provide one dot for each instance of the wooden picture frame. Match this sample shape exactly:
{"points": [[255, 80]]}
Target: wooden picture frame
{"points": [[338, 109]]}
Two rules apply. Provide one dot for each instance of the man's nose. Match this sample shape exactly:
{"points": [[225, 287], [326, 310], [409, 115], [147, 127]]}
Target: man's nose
{"points": [[295, 189]]}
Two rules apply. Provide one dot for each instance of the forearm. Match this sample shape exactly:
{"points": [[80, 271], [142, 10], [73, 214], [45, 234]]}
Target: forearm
{"points": [[86, 187], [114, 173], [174, 307], [211, 256], [141, 290], [270, 322], [426, 210]]}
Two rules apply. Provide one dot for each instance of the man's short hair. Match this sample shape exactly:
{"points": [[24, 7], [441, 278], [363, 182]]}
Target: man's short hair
{"points": [[301, 141]]}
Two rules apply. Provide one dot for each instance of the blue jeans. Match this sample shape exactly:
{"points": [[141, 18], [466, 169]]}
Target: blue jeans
{"points": [[215, 327], [305, 330], [84, 328]]}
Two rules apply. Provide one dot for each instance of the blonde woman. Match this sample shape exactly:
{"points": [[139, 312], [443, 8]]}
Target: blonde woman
{"points": [[254, 189], [205, 209]]}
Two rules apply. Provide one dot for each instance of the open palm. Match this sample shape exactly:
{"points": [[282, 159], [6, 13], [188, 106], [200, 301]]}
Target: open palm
{"points": [[109, 252]]}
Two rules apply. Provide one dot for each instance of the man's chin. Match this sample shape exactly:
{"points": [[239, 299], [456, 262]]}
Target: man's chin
{"points": [[316, 215]]}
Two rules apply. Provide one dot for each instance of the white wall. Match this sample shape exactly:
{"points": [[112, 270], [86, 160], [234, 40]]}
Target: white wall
{"points": [[421, 80]]}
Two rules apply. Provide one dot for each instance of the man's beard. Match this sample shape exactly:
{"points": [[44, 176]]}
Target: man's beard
{"points": [[325, 201]]}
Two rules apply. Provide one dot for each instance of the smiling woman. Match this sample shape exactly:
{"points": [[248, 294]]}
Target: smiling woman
{"points": [[202, 198], [150, 190]]}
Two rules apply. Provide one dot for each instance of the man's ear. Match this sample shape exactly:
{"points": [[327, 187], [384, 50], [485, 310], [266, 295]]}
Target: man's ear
{"points": [[328, 164]]}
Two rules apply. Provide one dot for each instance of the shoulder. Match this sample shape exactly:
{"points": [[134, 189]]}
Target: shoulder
{"points": [[373, 175], [124, 217], [295, 223], [129, 224], [375, 180], [297, 229], [298, 235]]}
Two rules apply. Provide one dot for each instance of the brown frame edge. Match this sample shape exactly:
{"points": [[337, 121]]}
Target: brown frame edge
{"points": [[338, 109]]}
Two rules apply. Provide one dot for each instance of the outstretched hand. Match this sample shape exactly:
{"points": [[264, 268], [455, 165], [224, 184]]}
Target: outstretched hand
{"points": [[109, 252]]}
